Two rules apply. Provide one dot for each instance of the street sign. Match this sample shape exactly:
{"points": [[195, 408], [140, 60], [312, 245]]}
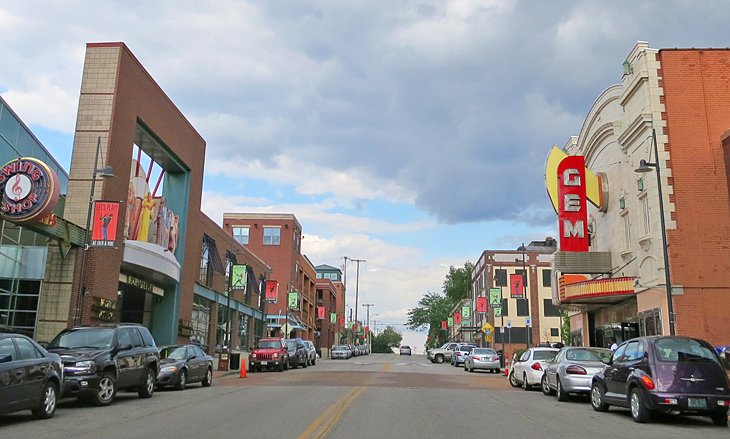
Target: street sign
{"points": [[487, 327], [488, 332], [509, 323], [501, 329], [528, 321]]}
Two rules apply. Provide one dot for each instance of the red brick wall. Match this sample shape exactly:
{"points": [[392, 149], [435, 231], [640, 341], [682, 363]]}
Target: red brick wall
{"points": [[697, 92]]}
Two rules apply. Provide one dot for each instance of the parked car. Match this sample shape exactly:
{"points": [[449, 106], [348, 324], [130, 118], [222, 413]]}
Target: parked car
{"points": [[181, 365], [676, 375], [341, 351], [98, 361], [405, 350], [460, 353], [439, 355], [297, 352], [482, 358], [354, 350], [312, 352], [269, 353], [572, 370], [527, 371], [30, 376]]}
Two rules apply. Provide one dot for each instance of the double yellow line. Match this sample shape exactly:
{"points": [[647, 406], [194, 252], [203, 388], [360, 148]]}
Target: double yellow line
{"points": [[324, 424]]}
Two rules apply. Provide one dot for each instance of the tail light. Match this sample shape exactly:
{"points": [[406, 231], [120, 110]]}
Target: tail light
{"points": [[536, 366], [575, 370], [647, 382]]}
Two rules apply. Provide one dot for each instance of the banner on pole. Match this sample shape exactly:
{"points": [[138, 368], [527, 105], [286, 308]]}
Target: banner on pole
{"points": [[516, 286], [481, 304], [272, 291], [240, 277], [293, 301], [104, 229]]}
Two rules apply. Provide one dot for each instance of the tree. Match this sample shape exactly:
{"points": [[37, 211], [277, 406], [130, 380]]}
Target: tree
{"points": [[458, 282], [384, 342], [565, 328], [432, 309]]}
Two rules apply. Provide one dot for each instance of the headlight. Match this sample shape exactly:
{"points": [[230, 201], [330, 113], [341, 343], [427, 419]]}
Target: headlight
{"points": [[169, 369], [253, 355], [276, 355], [84, 367]]}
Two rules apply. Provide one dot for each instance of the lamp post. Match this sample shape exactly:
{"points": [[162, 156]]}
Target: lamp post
{"points": [[105, 172], [645, 167], [367, 320], [528, 324]]}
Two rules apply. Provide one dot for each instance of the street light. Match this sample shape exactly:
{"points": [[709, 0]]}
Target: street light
{"points": [[645, 167], [105, 172], [523, 249]]}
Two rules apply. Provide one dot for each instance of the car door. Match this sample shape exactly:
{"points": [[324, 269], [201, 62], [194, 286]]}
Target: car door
{"points": [[552, 367], [35, 367], [195, 371], [11, 376], [519, 368], [125, 359], [618, 372]]}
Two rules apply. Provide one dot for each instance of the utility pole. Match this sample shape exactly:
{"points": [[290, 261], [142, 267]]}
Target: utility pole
{"points": [[368, 305], [357, 283]]}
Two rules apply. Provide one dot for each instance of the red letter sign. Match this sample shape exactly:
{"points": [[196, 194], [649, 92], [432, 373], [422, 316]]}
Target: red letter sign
{"points": [[572, 214]]}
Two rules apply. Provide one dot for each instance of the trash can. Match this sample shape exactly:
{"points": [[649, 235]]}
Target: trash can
{"points": [[235, 360]]}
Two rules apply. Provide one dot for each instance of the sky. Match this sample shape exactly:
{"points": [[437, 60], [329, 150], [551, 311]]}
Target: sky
{"points": [[410, 134]]}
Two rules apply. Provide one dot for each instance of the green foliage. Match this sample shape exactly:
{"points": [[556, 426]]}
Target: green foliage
{"points": [[384, 342], [565, 328], [458, 282]]}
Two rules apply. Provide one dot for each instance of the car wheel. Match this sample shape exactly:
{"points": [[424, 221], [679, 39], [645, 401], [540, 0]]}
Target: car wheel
{"points": [[525, 385], [638, 410], [562, 394], [48, 403], [314, 361], [546, 390], [208, 380], [106, 392], [719, 419], [148, 387], [280, 368], [306, 363], [183, 381], [597, 401], [512, 380], [439, 359]]}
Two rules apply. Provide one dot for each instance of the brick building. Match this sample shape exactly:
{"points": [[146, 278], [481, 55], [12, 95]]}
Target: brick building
{"points": [[492, 271], [331, 296], [681, 95]]}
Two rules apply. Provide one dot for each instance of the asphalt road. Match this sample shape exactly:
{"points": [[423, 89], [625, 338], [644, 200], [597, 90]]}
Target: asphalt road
{"points": [[376, 396]]}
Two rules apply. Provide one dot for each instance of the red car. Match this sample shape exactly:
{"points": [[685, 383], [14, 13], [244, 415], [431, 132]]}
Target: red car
{"points": [[269, 353]]}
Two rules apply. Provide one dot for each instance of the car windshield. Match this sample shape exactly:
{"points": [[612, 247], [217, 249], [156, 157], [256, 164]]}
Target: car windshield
{"points": [[680, 350], [587, 354], [484, 352], [96, 338], [466, 348], [173, 352], [268, 344], [340, 348], [445, 346], [291, 344], [543, 355]]}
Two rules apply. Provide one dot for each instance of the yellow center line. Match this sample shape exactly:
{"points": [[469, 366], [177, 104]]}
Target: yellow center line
{"points": [[324, 424], [386, 367]]}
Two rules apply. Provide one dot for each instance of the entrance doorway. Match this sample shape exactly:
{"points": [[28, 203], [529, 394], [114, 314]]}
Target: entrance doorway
{"points": [[136, 305]]}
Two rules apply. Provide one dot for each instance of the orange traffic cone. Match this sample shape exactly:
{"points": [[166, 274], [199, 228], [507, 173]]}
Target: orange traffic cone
{"points": [[243, 369], [506, 367]]}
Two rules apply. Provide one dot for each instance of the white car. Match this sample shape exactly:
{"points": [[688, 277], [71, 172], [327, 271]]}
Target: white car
{"points": [[529, 368]]}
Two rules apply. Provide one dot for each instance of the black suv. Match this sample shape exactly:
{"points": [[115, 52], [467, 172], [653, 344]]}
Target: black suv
{"points": [[100, 360], [298, 353]]}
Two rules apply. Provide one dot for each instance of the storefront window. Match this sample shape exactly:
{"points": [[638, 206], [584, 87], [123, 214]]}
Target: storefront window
{"points": [[243, 330], [220, 334], [650, 322], [200, 321]]}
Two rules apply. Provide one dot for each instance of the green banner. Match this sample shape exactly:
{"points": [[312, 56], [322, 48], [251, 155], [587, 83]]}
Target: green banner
{"points": [[333, 317], [238, 277], [495, 297], [293, 301], [451, 321], [498, 312], [465, 312]]}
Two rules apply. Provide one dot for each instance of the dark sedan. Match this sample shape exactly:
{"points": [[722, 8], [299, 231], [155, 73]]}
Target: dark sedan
{"points": [[181, 365], [675, 375], [30, 377]]}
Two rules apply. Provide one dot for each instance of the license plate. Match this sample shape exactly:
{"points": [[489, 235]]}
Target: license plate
{"points": [[697, 403], [264, 363]]}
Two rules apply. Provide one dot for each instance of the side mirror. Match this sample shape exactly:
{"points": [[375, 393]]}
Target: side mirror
{"points": [[606, 361], [251, 348], [124, 347]]}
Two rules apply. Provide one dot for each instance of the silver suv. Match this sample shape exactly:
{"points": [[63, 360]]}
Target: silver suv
{"points": [[460, 353], [312, 358], [439, 355]]}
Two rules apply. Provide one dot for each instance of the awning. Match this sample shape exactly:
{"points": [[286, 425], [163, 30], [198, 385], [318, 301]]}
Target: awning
{"points": [[596, 291], [213, 256]]}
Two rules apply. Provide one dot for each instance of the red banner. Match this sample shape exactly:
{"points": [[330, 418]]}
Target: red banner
{"points": [[367, 329], [342, 320], [354, 327], [516, 286], [320, 312], [457, 318], [272, 291], [104, 230], [444, 325], [481, 304], [572, 213]]}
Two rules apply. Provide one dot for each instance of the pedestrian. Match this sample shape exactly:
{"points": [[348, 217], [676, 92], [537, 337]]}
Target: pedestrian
{"points": [[614, 346]]}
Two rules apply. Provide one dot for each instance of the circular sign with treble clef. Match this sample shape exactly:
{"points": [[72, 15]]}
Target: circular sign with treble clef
{"points": [[29, 190]]}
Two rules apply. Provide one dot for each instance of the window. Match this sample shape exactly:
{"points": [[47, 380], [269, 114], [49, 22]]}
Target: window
{"points": [[523, 307], [136, 338], [26, 349], [550, 309], [632, 352], [7, 350], [627, 230], [617, 356], [505, 306], [272, 235], [554, 332], [123, 337], [240, 234], [645, 212], [547, 278], [206, 273], [500, 277]]}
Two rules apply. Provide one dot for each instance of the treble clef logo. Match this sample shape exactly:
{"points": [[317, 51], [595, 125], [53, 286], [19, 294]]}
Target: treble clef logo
{"points": [[17, 190]]}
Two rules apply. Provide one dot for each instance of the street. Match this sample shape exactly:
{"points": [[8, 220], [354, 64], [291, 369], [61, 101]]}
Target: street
{"points": [[375, 396]]}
